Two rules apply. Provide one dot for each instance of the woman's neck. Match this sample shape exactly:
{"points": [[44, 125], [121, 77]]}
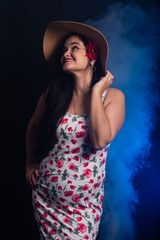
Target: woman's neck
{"points": [[82, 84]]}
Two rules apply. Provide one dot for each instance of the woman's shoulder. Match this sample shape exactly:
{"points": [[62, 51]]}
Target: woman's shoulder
{"points": [[113, 93]]}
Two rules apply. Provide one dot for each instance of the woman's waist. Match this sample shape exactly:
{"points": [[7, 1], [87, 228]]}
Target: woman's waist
{"points": [[75, 167]]}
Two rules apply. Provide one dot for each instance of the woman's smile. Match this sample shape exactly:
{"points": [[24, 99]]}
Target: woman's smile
{"points": [[66, 60]]}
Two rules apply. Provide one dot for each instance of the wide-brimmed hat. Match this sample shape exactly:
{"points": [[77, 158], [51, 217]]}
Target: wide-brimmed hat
{"points": [[57, 30]]}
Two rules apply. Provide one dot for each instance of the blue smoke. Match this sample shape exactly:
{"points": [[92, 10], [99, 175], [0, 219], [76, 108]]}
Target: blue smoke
{"points": [[133, 37]]}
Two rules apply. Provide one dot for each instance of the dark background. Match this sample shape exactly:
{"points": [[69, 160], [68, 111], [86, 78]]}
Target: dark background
{"points": [[24, 75]]}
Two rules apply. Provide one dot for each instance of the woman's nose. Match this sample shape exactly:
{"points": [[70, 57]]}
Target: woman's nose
{"points": [[67, 53]]}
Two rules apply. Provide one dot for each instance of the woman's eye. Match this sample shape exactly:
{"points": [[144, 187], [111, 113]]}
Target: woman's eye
{"points": [[75, 47]]}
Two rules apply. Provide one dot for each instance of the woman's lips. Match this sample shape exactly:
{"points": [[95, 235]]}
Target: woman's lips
{"points": [[68, 60]]}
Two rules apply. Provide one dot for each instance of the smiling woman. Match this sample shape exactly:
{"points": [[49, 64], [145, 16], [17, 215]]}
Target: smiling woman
{"points": [[74, 122], [74, 55]]}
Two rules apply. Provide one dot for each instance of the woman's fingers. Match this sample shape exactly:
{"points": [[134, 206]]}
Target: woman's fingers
{"points": [[37, 173], [32, 174], [32, 179], [109, 76]]}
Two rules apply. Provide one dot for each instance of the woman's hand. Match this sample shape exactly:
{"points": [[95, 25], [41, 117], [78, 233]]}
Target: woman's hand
{"points": [[32, 173], [103, 83]]}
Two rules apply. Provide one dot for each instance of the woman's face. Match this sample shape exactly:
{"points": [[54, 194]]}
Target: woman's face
{"points": [[73, 58]]}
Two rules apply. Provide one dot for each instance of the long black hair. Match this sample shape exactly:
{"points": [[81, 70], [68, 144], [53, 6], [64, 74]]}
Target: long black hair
{"points": [[58, 98]]}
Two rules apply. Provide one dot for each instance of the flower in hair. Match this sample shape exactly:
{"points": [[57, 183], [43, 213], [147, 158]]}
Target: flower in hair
{"points": [[91, 51]]}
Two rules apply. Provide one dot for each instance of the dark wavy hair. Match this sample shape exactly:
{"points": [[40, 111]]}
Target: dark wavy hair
{"points": [[58, 98]]}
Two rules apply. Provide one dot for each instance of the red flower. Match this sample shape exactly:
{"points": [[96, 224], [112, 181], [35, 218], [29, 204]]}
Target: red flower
{"points": [[76, 198], [66, 220], [95, 185], [91, 51], [52, 232], [86, 156], [65, 120], [85, 187], [45, 214], [76, 158], [76, 211], [97, 217], [68, 193], [71, 166], [47, 173], [87, 173], [51, 162], [80, 134], [75, 150], [85, 164], [59, 188], [66, 207], [73, 141], [101, 198], [79, 219], [70, 129], [86, 198], [82, 227], [66, 152], [59, 163], [86, 237], [62, 199], [38, 204], [103, 161], [91, 181], [54, 179]]}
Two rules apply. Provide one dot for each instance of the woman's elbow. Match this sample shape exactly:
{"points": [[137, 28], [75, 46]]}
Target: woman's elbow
{"points": [[100, 146]]}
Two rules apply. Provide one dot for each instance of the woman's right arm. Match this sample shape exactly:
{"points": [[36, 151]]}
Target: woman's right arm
{"points": [[32, 168]]}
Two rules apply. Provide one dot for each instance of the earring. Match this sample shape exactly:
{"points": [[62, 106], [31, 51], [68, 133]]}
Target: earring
{"points": [[92, 67]]}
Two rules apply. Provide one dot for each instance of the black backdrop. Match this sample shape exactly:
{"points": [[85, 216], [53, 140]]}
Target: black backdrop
{"points": [[24, 75]]}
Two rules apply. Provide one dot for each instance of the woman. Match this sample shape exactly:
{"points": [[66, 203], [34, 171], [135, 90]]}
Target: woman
{"points": [[74, 123]]}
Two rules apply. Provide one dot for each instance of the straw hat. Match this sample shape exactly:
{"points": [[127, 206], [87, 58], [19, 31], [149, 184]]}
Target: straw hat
{"points": [[57, 30]]}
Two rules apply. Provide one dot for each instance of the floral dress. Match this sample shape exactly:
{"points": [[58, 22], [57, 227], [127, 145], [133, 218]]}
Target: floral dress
{"points": [[68, 198]]}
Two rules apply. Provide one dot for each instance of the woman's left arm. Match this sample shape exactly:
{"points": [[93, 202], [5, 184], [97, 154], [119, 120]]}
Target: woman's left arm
{"points": [[105, 120]]}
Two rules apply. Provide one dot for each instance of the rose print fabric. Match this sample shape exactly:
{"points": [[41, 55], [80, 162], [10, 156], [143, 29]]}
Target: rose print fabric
{"points": [[68, 198]]}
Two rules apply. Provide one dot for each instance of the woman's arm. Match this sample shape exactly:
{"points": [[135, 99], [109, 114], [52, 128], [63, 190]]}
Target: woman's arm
{"points": [[106, 118], [31, 141]]}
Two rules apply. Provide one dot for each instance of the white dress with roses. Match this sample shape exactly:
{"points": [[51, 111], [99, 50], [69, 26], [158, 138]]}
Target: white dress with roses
{"points": [[68, 198]]}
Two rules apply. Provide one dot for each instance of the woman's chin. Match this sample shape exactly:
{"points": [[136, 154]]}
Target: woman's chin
{"points": [[68, 70]]}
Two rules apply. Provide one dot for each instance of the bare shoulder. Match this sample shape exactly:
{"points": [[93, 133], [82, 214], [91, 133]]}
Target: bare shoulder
{"points": [[114, 94]]}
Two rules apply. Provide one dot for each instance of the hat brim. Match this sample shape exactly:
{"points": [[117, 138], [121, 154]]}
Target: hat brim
{"points": [[57, 30]]}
